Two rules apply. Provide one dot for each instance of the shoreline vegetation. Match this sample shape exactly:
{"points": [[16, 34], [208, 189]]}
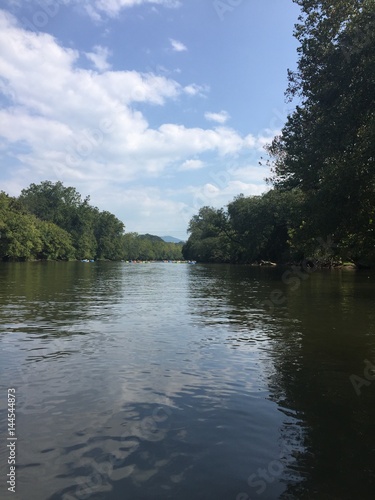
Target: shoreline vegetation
{"points": [[269, 230], [49, 221], [321, 205]]}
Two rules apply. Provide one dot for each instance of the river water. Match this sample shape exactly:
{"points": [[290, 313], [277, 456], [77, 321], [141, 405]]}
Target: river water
{"points": [[166, 381]]}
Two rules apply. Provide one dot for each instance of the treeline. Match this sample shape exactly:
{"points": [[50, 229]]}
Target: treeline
{"points": [[51, 221], [150, 247], [249, 229], [322, 205]]}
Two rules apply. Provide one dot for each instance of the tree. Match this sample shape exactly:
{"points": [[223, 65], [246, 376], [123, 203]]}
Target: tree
{"points": [[131, 245], [52, 202], [210, 238], [93, 234], [108, 231], [23, 236], [56, 243], [327, 146], [20, 238]]}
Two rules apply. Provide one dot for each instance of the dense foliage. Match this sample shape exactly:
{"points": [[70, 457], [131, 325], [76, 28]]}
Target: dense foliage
{"points": [[250, 229], [148, 247], [324, 159], [51, 221], [327, 147], [24, 236]]}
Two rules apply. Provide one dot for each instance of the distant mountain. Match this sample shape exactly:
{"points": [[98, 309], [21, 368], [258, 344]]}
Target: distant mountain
{"points": [[150, 237], [167, 239], [171, 239]]}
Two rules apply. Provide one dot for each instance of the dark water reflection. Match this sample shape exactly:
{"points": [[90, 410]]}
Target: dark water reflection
{"points": [[172, 381]]}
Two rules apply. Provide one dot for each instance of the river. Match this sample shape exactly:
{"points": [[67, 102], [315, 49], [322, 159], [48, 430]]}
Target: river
{"points": [[189, 382]]}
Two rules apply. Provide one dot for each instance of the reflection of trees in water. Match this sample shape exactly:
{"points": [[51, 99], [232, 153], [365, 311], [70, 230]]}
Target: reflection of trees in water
{"points": [[52, 297], [315, 341], [324, 340], [52, 306], [223, 294], [230, 297]]}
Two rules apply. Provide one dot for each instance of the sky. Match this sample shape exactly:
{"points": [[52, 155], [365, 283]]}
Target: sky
{"points": [[153, 108]]}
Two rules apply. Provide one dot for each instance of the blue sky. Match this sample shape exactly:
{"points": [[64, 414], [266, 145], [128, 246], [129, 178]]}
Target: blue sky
{"points": [[154, 108]]}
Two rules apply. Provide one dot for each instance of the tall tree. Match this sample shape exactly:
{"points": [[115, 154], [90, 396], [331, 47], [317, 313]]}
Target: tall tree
{"points": [[327, 147], [52, 202], [264, 225], [94, 234], [108, 231], [23, 236], [209, 239]]}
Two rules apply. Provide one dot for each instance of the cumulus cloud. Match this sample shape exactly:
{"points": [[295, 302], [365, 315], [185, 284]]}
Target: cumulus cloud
{"points": [[88, 116], [155, 213], [194, 90], [177, 46], [192, 165], [81, 126], [111, 8], [99, 57], [221, 117], [95, 9], [216, 193], [249, 173]]}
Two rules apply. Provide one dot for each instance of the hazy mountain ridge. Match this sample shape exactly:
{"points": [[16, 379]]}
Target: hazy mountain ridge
{"points": [[171, 239]]}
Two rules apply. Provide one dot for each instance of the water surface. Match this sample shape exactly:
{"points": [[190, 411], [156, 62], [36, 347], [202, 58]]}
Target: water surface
{"points": [[164, 381]]}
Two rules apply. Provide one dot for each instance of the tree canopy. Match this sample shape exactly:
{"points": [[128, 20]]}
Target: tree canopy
{"points": [[51, 221], [327, 146], [250, 229], [323, 162]]}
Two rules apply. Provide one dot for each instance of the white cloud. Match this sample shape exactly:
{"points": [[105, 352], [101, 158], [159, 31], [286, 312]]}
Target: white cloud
{"points": [[249, 174], [99, 57], [95, 9], [111, 8], [177, 46], [192, 165], [92, 12], [221, 117], [261, 140], [80, 126], [146, 209], [266, 137], [194, 89], [216, 194]]}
